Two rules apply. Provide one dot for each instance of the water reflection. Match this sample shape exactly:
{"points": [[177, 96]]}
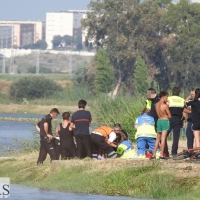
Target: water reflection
{"points": [[27, 193]]}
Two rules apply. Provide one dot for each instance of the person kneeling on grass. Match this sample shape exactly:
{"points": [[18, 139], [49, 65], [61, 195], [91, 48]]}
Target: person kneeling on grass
{"points": [[146, 134], [125, 148], [98, 138]]}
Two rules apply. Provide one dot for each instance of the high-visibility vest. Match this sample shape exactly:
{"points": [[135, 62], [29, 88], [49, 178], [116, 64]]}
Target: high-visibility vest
{"points": [[148, 104], [104, 130], [145, 126], [126, 150], [176, 105]]}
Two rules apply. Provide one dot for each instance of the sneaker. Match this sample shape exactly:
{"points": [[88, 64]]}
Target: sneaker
{"points": [[163, 158], [152, 158]]}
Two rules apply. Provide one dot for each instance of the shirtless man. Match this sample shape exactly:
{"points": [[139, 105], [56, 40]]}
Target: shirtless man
{"points": [[162, 110]]}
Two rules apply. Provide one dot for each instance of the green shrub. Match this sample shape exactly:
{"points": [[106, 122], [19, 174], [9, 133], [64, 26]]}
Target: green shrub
{"points": [[43, 70], [123, 110], [33, 87]]}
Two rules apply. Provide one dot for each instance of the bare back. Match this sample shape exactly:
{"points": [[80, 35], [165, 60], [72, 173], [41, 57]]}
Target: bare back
{"points": [[162, 110]]}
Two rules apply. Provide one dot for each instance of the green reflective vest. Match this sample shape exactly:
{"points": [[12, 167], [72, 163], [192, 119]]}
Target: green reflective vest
{"points": [[148, 104]]}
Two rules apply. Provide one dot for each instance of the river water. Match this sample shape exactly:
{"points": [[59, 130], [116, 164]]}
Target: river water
{"points": [[10, 131], [18, 192]]}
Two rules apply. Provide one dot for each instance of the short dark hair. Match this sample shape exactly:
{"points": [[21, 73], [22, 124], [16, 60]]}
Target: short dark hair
{"points": [[117, 125], [175, 91], [54, 110], [197, 94], [66, 115], [82, 103], [163, 94], [151, 89], [145, 110]]}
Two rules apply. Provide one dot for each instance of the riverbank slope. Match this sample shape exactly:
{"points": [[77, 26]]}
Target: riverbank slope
{"points": [[134, 178], [34, 109]]}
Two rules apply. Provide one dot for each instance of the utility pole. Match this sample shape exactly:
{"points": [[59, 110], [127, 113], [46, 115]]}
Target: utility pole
{"points": [[11, 62], [3, 57], [4, 66], [37, 60], [70, 64]]}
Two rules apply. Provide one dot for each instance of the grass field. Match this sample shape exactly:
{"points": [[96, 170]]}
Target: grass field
{"points": [[134, 178], [55, 77]]}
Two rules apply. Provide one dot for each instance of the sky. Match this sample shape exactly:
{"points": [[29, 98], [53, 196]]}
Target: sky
{"points": [[36, 9]]}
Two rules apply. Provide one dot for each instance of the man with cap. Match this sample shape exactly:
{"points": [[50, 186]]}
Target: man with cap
{"points": [[46, 136]]}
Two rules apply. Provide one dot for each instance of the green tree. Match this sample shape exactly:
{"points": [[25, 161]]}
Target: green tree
{"points": [[78, 39], [140, 76], [29, 46], [183, 46], [126, 28], [68, 40], [103, 82], [57, 40], [80, 75], [41, 44], [33, 87]]}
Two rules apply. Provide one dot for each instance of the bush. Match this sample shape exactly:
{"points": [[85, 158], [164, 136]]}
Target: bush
{"points": [[33, 87], [123, 110], [43, 70]]}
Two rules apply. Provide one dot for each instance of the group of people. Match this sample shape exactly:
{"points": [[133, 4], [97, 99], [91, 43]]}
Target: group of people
{"points": [[165, 114], [161, 115], [102, 142]]}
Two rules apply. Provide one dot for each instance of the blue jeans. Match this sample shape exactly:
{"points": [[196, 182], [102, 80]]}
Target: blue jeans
{"points": [[141, 143]]}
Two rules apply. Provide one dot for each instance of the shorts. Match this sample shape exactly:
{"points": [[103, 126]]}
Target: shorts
{"points": [[196, 126], [163, 125]]}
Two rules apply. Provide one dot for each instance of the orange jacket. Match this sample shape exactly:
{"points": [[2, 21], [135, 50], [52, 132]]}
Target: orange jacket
{"points": [[104, 130]]}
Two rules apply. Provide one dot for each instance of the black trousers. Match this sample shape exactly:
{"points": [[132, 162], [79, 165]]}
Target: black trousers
{"points": [[98, 141], [46, 147], [83, 140], [68, 148], [175, 125], [189, 135], [58, 151]]}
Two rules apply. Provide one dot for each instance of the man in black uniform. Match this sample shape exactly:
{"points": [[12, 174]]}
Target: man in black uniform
{"points": [[81, 121], [46, 136], [187, 110], [152, 99], [176, 106]]}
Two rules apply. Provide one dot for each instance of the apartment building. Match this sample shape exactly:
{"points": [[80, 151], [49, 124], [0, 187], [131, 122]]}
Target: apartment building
{"points": [[6, 36], [25, 32], [63, 23]]}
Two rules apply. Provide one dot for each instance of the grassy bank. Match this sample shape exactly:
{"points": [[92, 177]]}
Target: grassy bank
{"points": [[134, 178], [34, 109]]}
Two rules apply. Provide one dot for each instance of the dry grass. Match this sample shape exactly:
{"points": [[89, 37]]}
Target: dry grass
{"points": [[5, 85], [34, 109]]}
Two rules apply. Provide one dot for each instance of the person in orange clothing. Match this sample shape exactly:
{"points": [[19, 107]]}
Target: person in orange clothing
{"points": [[99, 140]]}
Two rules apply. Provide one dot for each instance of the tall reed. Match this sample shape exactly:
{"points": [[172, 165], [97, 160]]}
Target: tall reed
{"points": [[123, 110]]}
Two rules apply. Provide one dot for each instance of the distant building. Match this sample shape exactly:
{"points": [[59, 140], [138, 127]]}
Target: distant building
{"points": [[25, 32], [6, 36], [63, 23]]}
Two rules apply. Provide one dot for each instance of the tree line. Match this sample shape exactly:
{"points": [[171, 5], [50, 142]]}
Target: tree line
{"points": [[158, 35]]}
